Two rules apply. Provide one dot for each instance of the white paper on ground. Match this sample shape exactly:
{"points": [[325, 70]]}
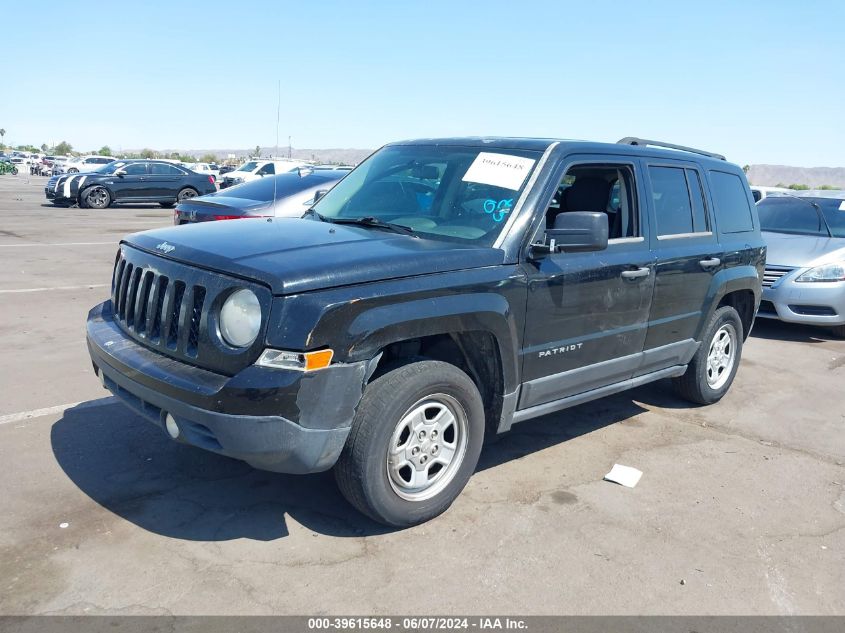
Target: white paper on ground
{"points": [[624, 475], [499, 170]]}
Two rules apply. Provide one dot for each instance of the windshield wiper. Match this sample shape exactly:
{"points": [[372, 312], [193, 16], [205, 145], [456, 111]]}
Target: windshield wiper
{"points": [[370, 221], [819, 212]]}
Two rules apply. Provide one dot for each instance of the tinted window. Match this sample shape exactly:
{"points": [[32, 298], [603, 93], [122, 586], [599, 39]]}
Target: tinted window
{"points": [[136, 169], [671, 201], [699, 208], [269, 168], [248, 166], [785, 214], [733, 211], [163, 169]]}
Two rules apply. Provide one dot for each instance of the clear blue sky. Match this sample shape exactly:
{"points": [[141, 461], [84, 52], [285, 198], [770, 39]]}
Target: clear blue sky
{"points": [[763, 82]]}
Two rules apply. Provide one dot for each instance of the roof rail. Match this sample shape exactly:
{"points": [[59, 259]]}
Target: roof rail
{"points": [[633, 140]]}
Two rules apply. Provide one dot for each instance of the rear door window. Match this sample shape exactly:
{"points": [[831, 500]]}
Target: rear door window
{"points": [[163, 169], [671, 199]]}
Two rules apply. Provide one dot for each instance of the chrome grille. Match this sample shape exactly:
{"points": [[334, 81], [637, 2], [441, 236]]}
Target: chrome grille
{"points": [[773, 274]]}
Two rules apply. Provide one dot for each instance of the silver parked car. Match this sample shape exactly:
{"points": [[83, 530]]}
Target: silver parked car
{"points": [[805, 266]]}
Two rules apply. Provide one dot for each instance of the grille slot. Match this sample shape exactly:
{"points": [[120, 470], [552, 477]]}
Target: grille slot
{"points": [[773, 274], [196, 315], [173, 312]]}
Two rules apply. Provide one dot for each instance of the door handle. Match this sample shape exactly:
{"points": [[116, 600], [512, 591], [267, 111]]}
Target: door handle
{"points": [[711, 262], [636, 274]]}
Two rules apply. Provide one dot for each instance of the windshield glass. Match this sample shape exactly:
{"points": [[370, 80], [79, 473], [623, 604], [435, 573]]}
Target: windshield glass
{"points": [[453, 193], [109, 168], [248, 166], [798, 216]]}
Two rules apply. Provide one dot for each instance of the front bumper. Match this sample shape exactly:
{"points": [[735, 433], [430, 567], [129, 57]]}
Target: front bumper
{"points": [[278, 420], [812, 303]]}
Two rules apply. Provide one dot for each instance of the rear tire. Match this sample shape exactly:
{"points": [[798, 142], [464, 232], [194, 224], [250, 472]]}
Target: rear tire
{"points": [[713, 368], [414, 443], [186, 194]]}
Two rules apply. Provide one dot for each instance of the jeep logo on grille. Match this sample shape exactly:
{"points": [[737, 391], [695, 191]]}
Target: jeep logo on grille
{"points": [[164, 247]]}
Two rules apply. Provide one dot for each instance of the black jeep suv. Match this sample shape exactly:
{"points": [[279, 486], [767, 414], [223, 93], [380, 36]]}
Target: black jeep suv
{"points": [[443, 291]]}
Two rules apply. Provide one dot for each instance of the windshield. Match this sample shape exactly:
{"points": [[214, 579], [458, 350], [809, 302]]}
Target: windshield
{"points": [[450, 193], [798, 216], [248, 166], [109, 168]]}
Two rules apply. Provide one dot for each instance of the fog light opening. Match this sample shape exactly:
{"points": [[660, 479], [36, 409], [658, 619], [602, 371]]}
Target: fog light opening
{"points": [[172, 427]]}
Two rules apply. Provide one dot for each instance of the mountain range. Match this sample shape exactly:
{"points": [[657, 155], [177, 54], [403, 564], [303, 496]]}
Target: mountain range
{"points": [[772, 175]]}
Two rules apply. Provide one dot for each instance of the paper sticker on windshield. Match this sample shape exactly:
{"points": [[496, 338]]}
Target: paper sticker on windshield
{"points": [[499, 170], [842, 206]]}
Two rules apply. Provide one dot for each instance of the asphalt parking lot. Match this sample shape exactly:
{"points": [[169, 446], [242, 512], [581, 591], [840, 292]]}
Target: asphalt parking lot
{"points": [[741, 508]]}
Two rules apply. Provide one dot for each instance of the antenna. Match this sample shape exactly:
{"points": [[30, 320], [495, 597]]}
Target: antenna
{"points": [[278, 112]]}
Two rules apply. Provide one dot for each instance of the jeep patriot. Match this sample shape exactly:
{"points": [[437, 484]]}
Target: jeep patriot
{"points": [[443, 291]]}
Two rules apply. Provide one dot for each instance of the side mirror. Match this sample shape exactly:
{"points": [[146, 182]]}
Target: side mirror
{"points": [[120, 173], [577, 232], [319, 194]]}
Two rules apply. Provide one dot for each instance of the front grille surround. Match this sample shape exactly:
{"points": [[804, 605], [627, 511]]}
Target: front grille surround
{"points": [[174, 309], [773, 274]]}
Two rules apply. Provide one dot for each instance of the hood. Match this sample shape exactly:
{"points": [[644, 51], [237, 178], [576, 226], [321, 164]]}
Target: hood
{"points": [[800, 251], [292, 255]]}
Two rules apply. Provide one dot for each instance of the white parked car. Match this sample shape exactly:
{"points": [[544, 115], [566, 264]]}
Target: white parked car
{"points": [[256, 168], [761, 192], [207, 169], [84, 164]]}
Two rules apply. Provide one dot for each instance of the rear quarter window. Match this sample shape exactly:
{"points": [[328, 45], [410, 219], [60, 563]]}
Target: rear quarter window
{"points": [[733, 211]]}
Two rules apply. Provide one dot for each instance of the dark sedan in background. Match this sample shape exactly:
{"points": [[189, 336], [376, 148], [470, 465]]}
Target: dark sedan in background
{"points": [[284, 195], [129, 181]]}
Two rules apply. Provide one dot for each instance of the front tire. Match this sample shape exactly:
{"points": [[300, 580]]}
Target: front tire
{"points": [[95, 197], [713, 368], [414, 443]]}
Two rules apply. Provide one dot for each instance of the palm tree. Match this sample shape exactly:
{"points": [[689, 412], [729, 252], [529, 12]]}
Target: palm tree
{"points": [[2, 134]]}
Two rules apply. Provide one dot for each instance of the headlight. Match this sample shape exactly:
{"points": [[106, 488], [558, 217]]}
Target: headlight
{"points": [[240, 318], [826, 272]]}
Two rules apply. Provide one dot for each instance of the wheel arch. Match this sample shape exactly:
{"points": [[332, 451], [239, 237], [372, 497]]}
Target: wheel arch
{"points": [[475, 333], [739, 288]]}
